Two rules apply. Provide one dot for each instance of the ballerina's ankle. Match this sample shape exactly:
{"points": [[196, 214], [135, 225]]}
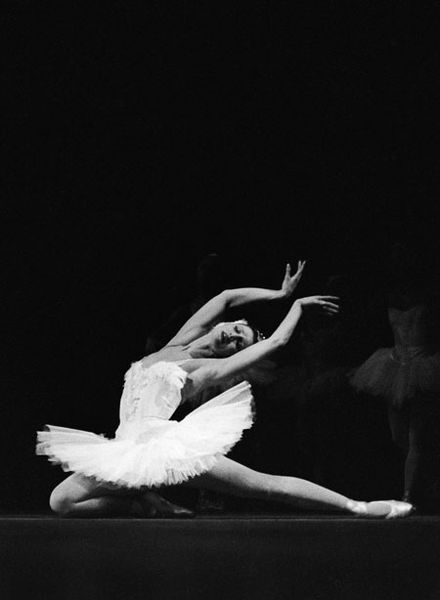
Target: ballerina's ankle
{"points": [[357, 508]]}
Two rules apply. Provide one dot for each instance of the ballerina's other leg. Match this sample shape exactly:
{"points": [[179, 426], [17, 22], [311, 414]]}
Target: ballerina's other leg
{"points": [[401, 435], [230, 477], [399, 427], [421, 425], [80, 496]]}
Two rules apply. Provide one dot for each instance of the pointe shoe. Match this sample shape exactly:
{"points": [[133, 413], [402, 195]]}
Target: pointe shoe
{"points": [[177, 512], [397, 509], [174, 512], [157, 507], [168, 510]]}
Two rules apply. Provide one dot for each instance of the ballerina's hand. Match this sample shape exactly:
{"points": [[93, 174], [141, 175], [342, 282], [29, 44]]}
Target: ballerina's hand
{"points": [[327, 303], [290, 282]]}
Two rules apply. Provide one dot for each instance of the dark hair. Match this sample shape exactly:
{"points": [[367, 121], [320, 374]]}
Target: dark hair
{"points": [[257, 335]]}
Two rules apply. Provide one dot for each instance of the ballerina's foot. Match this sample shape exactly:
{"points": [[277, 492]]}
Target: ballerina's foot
{"points": [[174, 511], [381, 509], [157, 507]]}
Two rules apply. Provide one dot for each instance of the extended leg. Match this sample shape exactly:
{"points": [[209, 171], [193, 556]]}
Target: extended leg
{"points": [[82, 497], [230, 477]]}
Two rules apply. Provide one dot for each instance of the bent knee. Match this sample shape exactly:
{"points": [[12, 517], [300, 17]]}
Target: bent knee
{"points": [[60, 501]]}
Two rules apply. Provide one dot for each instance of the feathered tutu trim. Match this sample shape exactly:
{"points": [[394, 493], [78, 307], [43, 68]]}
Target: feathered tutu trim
{"points": [[399, 378], [165, 453]]}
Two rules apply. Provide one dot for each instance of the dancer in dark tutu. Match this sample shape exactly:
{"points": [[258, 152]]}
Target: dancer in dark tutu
{"points": [[407, 375], [121, 475]]}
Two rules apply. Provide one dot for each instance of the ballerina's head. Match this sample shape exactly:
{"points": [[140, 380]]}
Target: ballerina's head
{"points": [[229, 338]]}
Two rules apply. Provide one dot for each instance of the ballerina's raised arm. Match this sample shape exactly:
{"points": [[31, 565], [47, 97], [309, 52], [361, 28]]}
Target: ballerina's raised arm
{"points": [[209, 314], [212, 371]]}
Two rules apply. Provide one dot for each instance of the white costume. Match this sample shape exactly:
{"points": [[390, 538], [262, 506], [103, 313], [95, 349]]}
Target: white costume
{"points": [[149, 449]]}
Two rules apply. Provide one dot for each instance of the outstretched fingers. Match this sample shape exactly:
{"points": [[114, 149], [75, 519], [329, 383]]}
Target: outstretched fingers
{"points": [[290, 281], [329, 304], [300, 268]]}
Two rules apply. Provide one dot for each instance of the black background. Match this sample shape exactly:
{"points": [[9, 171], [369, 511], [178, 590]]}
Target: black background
{"points": [[142, 135]]}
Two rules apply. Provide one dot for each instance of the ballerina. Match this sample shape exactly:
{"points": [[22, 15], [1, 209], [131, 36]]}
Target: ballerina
{"points": [[407, 375], [122, 475]]}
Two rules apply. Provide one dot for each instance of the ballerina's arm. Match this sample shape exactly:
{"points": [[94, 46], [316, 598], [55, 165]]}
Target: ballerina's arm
{"points": [[214, 371], [207, 316]]}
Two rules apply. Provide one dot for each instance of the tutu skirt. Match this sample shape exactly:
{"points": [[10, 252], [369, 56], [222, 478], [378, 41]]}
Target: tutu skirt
{"points": [[165, 452], [401, 376]]}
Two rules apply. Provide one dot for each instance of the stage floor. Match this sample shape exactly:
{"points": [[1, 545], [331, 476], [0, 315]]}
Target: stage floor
{"points": [[227, 556]]}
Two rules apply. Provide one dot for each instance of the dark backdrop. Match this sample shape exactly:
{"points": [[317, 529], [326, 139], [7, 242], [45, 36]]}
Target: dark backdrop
{"points": [[141, 136]]}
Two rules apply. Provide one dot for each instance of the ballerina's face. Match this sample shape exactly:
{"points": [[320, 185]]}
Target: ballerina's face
{"points": [[229, 338]]}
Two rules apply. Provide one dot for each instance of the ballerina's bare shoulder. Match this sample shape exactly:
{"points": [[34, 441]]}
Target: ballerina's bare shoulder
{"points": [[180, 356], [175, 354]]}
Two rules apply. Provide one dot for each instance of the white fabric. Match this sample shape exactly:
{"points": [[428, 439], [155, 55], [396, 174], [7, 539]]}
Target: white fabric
{"points": [[148, 448], [153, 391]]}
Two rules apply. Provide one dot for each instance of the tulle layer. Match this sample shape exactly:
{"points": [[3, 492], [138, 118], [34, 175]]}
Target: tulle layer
{"points": [[165, 453], [399, 378]]}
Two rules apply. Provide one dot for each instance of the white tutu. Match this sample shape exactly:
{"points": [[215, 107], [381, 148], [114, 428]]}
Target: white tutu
{"points": [[156, 451], [399, 375]]}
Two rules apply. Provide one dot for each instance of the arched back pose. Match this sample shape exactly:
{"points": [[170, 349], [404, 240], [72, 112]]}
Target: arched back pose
{"points": [[149, 450]]}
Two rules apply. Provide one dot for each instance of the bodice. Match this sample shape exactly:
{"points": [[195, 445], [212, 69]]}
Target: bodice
{"points": [[409, 326], [150, 394]]}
